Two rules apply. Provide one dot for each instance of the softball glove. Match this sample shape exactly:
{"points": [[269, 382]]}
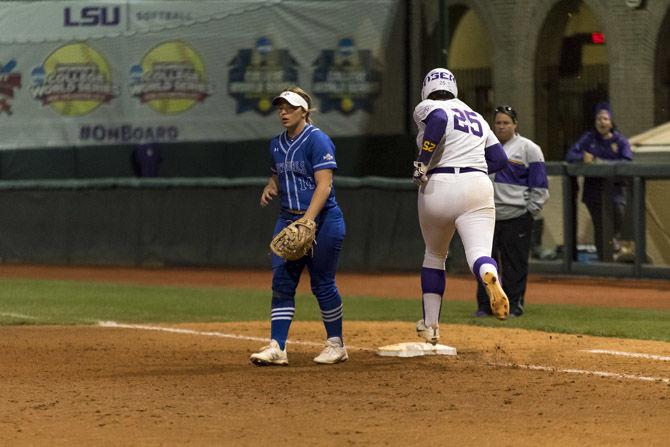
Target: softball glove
{"points": [[296, 240]]}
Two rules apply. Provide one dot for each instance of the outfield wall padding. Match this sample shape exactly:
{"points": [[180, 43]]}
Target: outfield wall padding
{"points": [[386, 155], [217, 221], [196, 222]]}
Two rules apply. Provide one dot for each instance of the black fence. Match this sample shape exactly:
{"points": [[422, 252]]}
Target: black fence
{"points": [[218, 222]]}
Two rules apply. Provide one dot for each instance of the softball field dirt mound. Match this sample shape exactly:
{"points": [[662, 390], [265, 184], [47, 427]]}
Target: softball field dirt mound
{"points": [[193, 385]]}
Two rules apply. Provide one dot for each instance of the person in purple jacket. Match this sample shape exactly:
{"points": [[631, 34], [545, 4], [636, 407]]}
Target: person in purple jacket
{"points": [[602, 144]]}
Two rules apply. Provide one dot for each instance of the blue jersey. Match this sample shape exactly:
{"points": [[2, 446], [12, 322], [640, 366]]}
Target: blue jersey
{"points": [[296, 161]]}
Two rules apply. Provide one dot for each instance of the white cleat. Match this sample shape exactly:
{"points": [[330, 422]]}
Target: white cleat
{"points": [[497, 296], [429, 333], [270, 355], [332, 353]]}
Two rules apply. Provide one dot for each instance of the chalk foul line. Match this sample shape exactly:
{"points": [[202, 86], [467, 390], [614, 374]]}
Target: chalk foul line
{"points": [[15, 315], [629, 354], [114, 324], [585, 372]]}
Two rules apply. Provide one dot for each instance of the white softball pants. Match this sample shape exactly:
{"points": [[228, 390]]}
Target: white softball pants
{"points": [[460, 202]]}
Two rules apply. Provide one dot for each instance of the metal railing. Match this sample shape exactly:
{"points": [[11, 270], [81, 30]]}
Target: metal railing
{"points": [[635, 173]]}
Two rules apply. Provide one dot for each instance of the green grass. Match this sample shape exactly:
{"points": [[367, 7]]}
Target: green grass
{"points": [[70, 302]]}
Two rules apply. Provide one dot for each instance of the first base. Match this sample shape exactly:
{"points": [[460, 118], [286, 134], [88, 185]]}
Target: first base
{"points": [[415, 350]]}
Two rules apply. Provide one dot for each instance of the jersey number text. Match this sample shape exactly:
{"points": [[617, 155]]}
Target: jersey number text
{"points": [[461, 119]]}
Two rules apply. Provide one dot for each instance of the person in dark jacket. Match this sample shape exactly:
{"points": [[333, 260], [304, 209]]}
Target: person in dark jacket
{"points": [[602, 144], [146, 159]]}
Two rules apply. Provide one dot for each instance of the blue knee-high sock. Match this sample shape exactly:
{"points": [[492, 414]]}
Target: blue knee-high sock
{"points": [[283, 310], [331, 313]]}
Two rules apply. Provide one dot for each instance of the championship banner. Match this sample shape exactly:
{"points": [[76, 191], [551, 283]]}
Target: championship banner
{"points": [[76, 73]]}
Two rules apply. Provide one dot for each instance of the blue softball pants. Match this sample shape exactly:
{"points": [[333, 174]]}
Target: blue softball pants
{"points": [[322, 265]]}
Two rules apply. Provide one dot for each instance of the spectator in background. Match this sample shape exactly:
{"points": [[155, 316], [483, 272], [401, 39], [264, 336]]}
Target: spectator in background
{"points": [[520, 191], [602, 143], [146, 159]]}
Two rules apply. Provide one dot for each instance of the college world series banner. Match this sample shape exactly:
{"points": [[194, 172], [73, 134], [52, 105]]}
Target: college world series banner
{"points": [[78, 73]]}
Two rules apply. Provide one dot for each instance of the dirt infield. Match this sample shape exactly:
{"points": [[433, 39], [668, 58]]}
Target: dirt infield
{"points": [[192, 384]]}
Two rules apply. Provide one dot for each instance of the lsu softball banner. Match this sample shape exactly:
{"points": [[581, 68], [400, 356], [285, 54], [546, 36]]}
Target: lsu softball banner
{"points": [[89, 73]]}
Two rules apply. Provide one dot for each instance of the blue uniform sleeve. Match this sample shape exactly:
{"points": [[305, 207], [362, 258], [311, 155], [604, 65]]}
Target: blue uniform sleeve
{"points": [[323, 153], [273, 169]]}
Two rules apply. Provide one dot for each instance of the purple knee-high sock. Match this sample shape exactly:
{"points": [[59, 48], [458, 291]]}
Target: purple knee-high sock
{"points": [[432, 288]]}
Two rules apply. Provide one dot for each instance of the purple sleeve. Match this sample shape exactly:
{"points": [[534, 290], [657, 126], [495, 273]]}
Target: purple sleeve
{"points": [[625, 151], [496, 158], [436, 123], [537, 175], [576, 152]]}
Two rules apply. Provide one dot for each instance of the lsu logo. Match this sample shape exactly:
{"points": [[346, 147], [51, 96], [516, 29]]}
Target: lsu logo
{"points": [[92, 16], [614, 147], [441, 75], [428, 146]]}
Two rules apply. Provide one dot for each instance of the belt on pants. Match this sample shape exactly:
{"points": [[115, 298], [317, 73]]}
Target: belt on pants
{"points": [[450, 170], [296, 212]]}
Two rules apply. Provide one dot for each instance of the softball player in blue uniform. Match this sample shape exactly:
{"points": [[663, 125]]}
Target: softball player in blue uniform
{"points": [[303, 161]]}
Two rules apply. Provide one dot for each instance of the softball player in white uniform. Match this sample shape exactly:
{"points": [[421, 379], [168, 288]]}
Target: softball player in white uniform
{"points": [[457, 151]]}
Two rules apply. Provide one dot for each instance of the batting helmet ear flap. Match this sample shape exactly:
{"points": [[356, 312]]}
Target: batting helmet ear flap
{"points": [[439, 79]]}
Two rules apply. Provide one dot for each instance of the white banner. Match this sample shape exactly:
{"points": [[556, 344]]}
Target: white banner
{"points": [[88, 73]]}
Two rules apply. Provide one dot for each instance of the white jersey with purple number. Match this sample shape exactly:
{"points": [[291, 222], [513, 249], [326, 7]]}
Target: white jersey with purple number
{"points": [[460, 201], [465, 137]]}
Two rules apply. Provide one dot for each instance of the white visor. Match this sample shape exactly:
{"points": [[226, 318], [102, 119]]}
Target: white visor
{"points": [[292, 98]]}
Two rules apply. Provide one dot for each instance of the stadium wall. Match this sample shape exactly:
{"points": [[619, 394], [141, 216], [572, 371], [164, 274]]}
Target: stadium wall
{"points": [[215, 221], [196, 222], [380, 155]]}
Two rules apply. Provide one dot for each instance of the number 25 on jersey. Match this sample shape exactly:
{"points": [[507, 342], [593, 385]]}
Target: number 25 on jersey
{"points": [[461, 119]]}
